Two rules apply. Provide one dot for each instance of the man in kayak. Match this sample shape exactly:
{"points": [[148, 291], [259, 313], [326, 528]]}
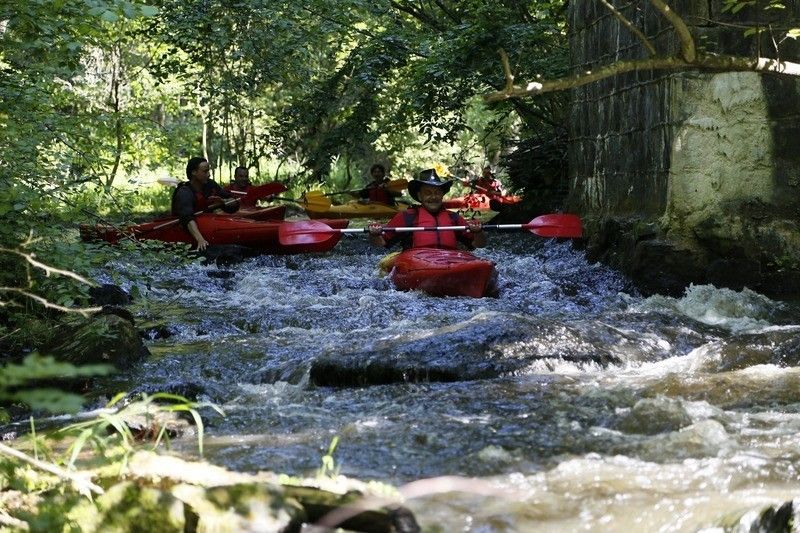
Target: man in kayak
{"points": [[241, 184], [241, 180], [200, 193], [429, 190], [377, 190], [488, 183]]}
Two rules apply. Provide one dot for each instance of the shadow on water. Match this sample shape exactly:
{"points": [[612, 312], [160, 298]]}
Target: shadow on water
{"points": [[568, 376]]}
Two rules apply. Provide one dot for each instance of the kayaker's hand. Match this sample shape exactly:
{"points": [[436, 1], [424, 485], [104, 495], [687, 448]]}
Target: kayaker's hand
{"points": [[474, 225], [214, 202], [202, 244], [375, 228]]}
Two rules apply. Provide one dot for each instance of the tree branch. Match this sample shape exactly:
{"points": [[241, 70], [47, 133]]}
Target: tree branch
{"points": [[418, 14], [81, 484], [449, 12], [713, 63], [85, 311], [48, 269], [688, 50], [633, 29], [506, 69]]}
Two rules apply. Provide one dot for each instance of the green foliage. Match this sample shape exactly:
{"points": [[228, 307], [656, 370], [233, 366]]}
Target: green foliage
{"points": [[16, 380], [328, 467], [110, 432]]}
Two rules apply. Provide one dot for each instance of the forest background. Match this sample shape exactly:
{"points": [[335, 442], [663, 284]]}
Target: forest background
{"points": [[99, 98]]}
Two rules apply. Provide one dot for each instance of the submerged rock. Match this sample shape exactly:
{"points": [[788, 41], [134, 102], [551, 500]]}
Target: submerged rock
{"points": [[104, 338], [650, 416], [778, 518], [774, 347], [109, 294], [487, 346], [227, 254]]}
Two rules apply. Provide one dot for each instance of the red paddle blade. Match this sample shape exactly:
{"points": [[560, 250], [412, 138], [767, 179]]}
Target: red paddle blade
{"points": [[304, 232], [556, 225], [257, 192]]}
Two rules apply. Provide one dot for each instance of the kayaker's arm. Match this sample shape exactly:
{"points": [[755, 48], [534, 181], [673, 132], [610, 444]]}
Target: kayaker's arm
{"points": [[183, 204], [376, 234], [478, 235], [195, 231], [476, 230], [223, 199]]}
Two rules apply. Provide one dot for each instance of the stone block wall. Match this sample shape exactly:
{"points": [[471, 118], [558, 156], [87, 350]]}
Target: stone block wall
{"points": [[698, 165]]}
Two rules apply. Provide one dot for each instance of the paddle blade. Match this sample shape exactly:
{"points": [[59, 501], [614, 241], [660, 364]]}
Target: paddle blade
{"points": [[556, 225], [397, 185], [304, 232], [168, 181], [317, 202], [257, 192]]}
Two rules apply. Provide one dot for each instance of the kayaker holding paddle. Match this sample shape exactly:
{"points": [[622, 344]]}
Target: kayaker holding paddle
{"points": [[377, 190], [429, 190], [240, 186], [488, 182], [200, 193]]}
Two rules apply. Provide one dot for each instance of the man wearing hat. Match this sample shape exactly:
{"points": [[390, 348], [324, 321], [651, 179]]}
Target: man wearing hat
{"points": [[429, 190]]}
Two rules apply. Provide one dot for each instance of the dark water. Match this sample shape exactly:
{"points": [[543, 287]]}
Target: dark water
{"points": [[695, 420]]}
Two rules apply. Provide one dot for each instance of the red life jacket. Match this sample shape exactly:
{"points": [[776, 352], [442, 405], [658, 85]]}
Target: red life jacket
{"points": [[490, 185], [244, 200], [200, 201], [379, 194], [432, 239]]}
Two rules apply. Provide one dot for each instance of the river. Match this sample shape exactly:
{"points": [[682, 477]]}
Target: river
{"points": [[600, 409]]}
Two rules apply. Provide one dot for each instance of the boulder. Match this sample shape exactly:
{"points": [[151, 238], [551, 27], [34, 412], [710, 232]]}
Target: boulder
{"points": [[103, 338], [487, 346], [109, 294]]}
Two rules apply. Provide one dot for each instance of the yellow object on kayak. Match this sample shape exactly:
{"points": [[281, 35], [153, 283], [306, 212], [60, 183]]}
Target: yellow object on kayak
{"points": [[316, 208], [386, 263]]}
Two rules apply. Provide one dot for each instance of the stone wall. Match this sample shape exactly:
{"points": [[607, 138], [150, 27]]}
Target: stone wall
{"points": [[690, 177]]}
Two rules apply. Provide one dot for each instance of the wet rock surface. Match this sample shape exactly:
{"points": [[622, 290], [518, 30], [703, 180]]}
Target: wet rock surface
{"points": [[104, 338], [487, 346]]}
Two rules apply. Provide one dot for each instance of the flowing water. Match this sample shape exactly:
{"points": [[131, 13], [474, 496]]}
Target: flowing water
{"points": [[600, 410]]}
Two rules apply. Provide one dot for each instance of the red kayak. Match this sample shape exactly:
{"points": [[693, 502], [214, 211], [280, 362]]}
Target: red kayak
{"points": [[444, 273], [277, 212], [480, 202], [217, 229], [253, 193]]}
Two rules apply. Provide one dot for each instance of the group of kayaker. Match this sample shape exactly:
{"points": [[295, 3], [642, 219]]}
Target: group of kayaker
{"points": [[201, 193]]}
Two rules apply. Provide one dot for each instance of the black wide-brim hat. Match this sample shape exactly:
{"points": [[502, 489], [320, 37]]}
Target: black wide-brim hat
{"points": [[428, 177]]}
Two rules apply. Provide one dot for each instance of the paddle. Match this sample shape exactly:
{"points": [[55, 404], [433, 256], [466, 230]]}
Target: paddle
{"points": [[171, 222], [392, 185], [311, 202], [253, 194], [553, 225]]}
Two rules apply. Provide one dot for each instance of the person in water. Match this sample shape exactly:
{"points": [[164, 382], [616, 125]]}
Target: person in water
{"points": [[429, 190], [200, 193], [377, 190]]}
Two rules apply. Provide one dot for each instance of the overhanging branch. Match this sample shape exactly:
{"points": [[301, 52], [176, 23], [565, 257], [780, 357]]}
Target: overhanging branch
{"points": [[688, 50], [710, 62], [628, 24]]}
